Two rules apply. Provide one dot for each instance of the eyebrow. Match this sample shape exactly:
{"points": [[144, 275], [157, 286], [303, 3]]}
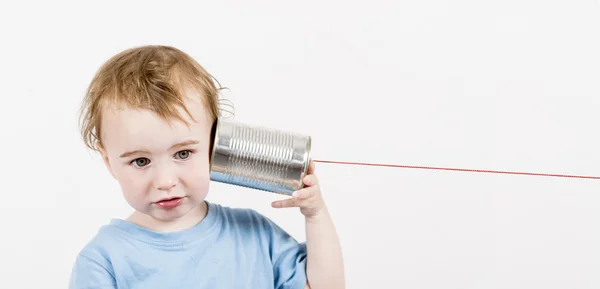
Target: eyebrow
{"points": [[181, 144]]}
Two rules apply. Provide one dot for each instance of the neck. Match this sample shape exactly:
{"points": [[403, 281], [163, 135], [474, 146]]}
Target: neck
{"points": [[192, 218]]}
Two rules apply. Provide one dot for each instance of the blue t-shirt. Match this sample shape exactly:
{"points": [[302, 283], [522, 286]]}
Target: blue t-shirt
{"points": [[230, 248]]}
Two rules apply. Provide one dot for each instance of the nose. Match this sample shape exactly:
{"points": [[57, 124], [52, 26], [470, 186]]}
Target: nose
{"points": [[165, 178]]}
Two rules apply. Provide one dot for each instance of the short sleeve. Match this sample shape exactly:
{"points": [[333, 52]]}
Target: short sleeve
{"points": [[88, 273], [288, 257]]}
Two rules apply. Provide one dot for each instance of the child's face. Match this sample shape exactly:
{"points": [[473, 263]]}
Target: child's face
{"points": [[154, 160]]}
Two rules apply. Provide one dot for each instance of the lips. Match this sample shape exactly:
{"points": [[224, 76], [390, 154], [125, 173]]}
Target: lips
{"points": [[169, 203]]}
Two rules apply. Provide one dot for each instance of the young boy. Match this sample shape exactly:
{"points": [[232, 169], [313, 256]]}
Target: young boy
{"points": [[149, 112]]}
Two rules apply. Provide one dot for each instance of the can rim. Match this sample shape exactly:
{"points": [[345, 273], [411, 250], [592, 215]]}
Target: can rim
{"points": [[307, 160], [214, 137]]}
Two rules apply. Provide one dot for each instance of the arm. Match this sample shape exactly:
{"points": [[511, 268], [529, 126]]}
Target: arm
{"points": [[88, 273], [325, 266]]}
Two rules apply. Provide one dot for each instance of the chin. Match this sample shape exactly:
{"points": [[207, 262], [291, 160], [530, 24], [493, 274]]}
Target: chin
{"points": [[172, 214]]}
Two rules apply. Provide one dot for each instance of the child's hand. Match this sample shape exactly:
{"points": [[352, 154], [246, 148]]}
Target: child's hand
{"points": [[308, 199]]}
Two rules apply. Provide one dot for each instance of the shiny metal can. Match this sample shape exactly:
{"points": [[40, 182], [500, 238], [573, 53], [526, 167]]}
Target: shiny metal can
{"points": [[260, 158]]}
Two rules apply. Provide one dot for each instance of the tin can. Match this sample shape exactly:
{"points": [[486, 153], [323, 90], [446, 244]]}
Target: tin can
{"points": [[260, 158]]}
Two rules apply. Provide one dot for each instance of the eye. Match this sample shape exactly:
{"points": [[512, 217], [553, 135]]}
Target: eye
{"points": [[141, 162], [183, 154]]}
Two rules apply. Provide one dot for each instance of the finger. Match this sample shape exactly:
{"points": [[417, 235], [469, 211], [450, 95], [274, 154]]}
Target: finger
{"points": [[310, 180], [304, 193], [297, 184], [311, 167], [287, 203]]}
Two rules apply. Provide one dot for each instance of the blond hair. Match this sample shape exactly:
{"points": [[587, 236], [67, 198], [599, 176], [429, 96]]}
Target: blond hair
{"points": [[152, 77]]}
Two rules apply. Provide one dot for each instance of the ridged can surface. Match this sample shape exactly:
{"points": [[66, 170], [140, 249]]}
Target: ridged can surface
{"points": [[261, 158]]}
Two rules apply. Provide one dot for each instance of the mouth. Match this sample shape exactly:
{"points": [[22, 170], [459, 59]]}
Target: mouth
{"points": [[169, 203]]}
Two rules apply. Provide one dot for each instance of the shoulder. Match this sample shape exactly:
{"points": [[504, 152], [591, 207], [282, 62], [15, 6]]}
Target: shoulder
{"points": [[242, 218], [285, 254], [231, 214], [99, 247], [247, 219], [92, 263]]}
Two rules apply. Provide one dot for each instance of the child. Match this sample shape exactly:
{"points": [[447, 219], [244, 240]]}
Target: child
{"points": [[149, 112]]}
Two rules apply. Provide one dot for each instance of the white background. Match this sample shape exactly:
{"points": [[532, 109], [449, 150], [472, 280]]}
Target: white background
{"points": [[505, 85]]}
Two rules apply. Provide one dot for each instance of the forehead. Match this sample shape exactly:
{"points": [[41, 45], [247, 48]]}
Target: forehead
{"points": [[125, 127]]}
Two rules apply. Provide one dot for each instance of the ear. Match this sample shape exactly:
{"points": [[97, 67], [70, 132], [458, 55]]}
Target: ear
{"points": [[104, 155]]}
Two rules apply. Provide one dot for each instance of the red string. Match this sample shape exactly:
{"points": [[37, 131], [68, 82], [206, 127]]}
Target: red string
{"points": [[458, 169]]}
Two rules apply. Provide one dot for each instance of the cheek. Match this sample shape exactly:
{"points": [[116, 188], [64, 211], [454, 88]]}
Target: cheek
{"points": [[196, 174], [133, 182]]}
